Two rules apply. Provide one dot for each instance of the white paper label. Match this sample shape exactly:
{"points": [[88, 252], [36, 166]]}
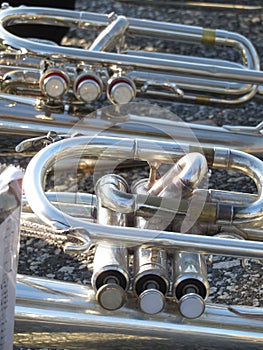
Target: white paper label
{"points": [[9, 233]]}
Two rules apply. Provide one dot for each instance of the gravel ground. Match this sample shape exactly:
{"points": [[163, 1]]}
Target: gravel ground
{"points": [[230, 283]]}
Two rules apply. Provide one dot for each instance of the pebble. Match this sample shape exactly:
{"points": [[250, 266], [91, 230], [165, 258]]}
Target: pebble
{"points": [[66, 269], [226, 264]]}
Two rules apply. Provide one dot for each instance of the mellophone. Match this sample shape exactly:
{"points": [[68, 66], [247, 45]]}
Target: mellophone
{"points": [[152, 240]]}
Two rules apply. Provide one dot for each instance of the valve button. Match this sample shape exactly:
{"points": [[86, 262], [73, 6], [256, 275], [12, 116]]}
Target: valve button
{"points": [[151, 301], [122, 93], [55, 86], [191, 305], [88, 90], [111, 296]]}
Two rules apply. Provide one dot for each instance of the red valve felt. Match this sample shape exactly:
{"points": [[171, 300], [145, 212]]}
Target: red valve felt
{"points": [[117, 81], [55, 74], [86, 77]]}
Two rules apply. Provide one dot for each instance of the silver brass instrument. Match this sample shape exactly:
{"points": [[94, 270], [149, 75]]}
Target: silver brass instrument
{"points": [[176, 223], [204, 5], [29, 107], [153, 239], [30, 128], [56, 76]]}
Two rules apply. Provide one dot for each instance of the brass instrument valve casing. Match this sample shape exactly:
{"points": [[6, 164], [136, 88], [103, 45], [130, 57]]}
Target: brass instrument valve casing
{"points": [[151, 283], [110, 277], [191, 286]]}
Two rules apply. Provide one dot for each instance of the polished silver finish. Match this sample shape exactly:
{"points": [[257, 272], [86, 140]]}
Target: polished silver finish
{"points": [[151, 282], [112, 33], [182, 178], [54, 86], [110, 273], [121, 90], [191, 286], [54, 83], [88, 90], [190, 267], [171, 306], [110, 296], [110, 266], [88, 87], [56, 314], [191, 305], [122, 149], [21, 120], [151, 301], [159, 76], [205, 5], [72, 318]]}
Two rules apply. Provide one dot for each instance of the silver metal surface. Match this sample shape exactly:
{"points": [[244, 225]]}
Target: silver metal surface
{"points": [[112, 33], [71, 318], [145, 150], [151, 301], [54, 83], [23, 121], [160, 76], [205, 5], [175, 319], [61, 315], [110, 276], [54, 86], [87, 87], [191, 286], [150, 270], [121, 90], [182, 178], [191, 305], [110, 296]]}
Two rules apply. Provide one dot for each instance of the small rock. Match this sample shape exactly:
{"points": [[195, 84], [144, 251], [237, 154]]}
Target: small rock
{"points": [[66, 269], [226, 264]]}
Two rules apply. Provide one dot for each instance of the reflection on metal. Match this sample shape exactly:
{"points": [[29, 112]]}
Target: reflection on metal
{"points": [[66, 315], [203, 5], [23, 122], [47, 76], [157, 303]]}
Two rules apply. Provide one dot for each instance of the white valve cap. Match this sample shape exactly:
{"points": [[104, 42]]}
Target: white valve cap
{"points": [[121, 91], [151, 301], [111, 296], [55, 85], [88, 89], [191, 305]]}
